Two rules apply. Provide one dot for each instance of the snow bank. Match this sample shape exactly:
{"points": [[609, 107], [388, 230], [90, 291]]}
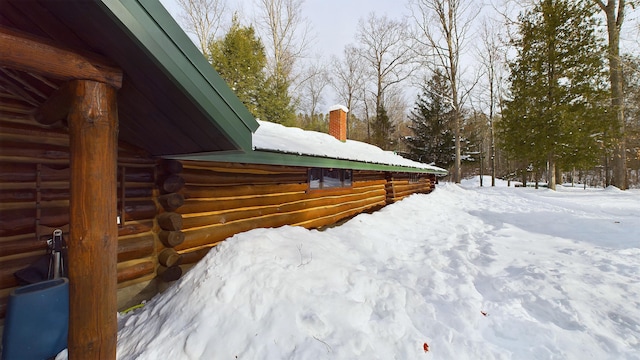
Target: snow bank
{"points": [[475, 273]]}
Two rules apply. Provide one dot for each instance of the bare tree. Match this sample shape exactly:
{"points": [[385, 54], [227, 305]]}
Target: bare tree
{"points": [[386, 50], [285, 33], [491, 54], [203, 19], [615, 14], [348, 79], [315, 79], [442, 29]]}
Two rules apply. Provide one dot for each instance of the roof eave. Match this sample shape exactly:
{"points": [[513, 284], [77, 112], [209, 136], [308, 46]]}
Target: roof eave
{"points": [[152, 27]]}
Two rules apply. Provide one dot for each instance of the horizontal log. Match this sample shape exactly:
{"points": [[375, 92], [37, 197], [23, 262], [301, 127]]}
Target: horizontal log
{"points": [[135, 247], [195, 255], [334, 218], [171, 238], [214, 177], [140, 210], [171, 273], [135, 227], [170, 183], [169, 257], [194, 191], [211, 234], [252, 212], [170, 221], [138, 270], [170, 202], [20, 246], [22, 221], [28, 53], [192, 206], [40, 153], [10, 131], [29, 194], [18, 221], [242, 168], [20, 172], [170, 166]]}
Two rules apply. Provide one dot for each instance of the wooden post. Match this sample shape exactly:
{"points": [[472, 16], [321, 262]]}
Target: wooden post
{"points": [[93, 131]]}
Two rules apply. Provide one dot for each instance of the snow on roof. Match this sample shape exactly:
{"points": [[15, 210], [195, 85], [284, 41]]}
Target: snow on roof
{"points": [[339, 107], [275, 137]]}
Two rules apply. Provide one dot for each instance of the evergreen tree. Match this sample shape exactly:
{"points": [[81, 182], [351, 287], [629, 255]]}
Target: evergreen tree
{"points": [[240, 60], [432, 140], [381, 129], [275, 102], [555, 112]]}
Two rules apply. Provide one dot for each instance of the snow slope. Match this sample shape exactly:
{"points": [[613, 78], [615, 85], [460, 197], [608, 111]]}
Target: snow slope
{"points": [[476, 273]]}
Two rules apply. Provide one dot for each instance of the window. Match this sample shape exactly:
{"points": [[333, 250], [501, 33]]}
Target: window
{"points": [[325, 178]]}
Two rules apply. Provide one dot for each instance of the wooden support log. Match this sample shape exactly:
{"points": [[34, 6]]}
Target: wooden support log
{"points": [[131, 272], [169, 257], [171, 238], [170, 221], [25, 52], [170, 202], [171, 273], [93, 245], [170, 183], [135, 247]]}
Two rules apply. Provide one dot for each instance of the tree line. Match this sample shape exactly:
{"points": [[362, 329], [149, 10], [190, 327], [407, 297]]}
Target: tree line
{"points": [[544, 95]]}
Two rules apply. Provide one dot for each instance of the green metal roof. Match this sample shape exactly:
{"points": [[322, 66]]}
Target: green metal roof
{"points": [[278, 158], [172, 101]]}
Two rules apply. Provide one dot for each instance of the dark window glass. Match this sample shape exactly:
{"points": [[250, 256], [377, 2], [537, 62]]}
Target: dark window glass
{"points": [[325, 178], [315, 178]]}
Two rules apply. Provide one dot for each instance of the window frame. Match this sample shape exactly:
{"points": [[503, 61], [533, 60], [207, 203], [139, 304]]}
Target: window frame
{"points": [[318, 178]]}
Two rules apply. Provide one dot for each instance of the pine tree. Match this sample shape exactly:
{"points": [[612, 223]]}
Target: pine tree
{"points": [[432, 140], [555, 112], [240, 60], [382, 129], [275, 102]]}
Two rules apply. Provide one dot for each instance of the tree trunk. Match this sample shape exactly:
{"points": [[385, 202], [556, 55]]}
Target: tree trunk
{"points": [[614, 11], [551, 175]]}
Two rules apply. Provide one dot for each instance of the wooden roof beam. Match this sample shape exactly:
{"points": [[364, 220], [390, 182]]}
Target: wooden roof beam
{"points": [[29, 53]]}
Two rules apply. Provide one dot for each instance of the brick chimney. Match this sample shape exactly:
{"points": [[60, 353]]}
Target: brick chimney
{"points": [[338, 122]]}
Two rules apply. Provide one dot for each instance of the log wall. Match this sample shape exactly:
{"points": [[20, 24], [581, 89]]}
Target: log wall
{"points": [[172, 212], [401, 185], [222, 199], [34, 200]]}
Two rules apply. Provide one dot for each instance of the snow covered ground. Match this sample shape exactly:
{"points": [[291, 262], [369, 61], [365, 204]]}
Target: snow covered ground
{"points": [[474, 273]]}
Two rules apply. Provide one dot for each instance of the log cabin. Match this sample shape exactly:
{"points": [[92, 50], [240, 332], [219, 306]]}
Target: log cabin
{"points": [[115, 128]]}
